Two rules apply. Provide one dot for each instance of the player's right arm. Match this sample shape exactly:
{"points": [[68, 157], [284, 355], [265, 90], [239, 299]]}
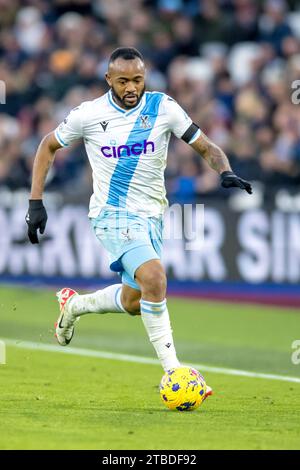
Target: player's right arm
{"points": [[36, 216], [68, 131], [42, 163]]}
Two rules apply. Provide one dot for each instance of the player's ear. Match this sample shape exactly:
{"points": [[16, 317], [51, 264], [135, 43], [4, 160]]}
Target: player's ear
{"points": [[108, 79]]}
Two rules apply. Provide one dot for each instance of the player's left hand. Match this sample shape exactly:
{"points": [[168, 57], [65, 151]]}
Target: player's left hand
{"points": [[230, 180]]}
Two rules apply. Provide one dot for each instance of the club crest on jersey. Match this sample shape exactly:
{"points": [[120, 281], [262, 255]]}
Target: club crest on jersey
{"points": [[145, 124]]}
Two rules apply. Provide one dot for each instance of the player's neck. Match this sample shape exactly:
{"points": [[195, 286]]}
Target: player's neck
{"points": [[118, 102]]}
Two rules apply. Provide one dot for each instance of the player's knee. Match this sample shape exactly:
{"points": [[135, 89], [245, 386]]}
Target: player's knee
{"points": [[132, 306], [134, 312], [154, 282]]}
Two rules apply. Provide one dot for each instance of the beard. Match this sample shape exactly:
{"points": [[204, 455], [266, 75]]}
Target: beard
{"points": [[121, 101]]}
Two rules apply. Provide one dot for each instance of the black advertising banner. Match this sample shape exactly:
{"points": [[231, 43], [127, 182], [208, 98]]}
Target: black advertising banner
{"points": [[201, 243]]}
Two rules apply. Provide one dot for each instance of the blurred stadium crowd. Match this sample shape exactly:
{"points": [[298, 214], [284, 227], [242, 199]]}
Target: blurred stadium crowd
{"points": [[229, 63]]}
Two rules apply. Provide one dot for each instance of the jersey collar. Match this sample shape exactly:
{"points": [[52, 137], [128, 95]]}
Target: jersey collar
{"points": [[121, 110]]}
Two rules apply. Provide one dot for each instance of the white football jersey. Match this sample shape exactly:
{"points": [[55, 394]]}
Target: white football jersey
{"points": [[127, 149]]}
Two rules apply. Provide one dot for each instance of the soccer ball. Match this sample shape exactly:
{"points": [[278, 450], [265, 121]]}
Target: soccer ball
{"points": [[182, 389]]}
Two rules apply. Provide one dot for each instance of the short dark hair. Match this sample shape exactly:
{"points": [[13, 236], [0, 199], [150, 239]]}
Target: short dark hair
{"points": [[126, 53]]}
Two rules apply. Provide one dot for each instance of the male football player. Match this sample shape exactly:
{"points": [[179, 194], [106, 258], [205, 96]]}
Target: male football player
{"points": [[126, 133]]}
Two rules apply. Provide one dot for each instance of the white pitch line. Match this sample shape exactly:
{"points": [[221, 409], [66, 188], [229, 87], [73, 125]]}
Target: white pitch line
{"points": [[140, 359]]}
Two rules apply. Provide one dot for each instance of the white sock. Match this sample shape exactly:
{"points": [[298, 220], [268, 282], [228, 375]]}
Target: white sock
{"points": [[156, 319], [102, 301]]}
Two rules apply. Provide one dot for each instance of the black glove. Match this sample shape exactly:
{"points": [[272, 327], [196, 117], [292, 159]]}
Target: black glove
{"points": [[230, 180], [36, 217]]}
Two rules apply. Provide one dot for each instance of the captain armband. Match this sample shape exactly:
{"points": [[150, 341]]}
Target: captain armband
{"points": [[191, 134]]}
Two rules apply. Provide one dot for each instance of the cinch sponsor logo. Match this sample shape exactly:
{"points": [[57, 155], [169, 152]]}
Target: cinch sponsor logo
{"points": [[128, 150]]}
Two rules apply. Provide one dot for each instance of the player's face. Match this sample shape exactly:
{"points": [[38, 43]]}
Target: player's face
{"points": [[127, 81]]}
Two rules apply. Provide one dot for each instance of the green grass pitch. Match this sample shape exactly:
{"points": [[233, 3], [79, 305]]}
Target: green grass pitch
{"points": [[58, 401]]}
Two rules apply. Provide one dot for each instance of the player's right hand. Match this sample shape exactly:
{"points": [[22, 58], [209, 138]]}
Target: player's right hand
{"points": [[36, 218]]}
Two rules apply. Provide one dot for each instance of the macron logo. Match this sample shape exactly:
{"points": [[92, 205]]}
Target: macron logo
{"points": [[147, 146]]}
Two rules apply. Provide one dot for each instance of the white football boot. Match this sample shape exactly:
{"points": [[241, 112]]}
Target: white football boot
{"points": [[208, 393], [64, 326]]}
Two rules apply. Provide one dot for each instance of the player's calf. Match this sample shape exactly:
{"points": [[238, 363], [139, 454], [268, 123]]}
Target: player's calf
{"points": [[152, 280], [154, 312]]}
